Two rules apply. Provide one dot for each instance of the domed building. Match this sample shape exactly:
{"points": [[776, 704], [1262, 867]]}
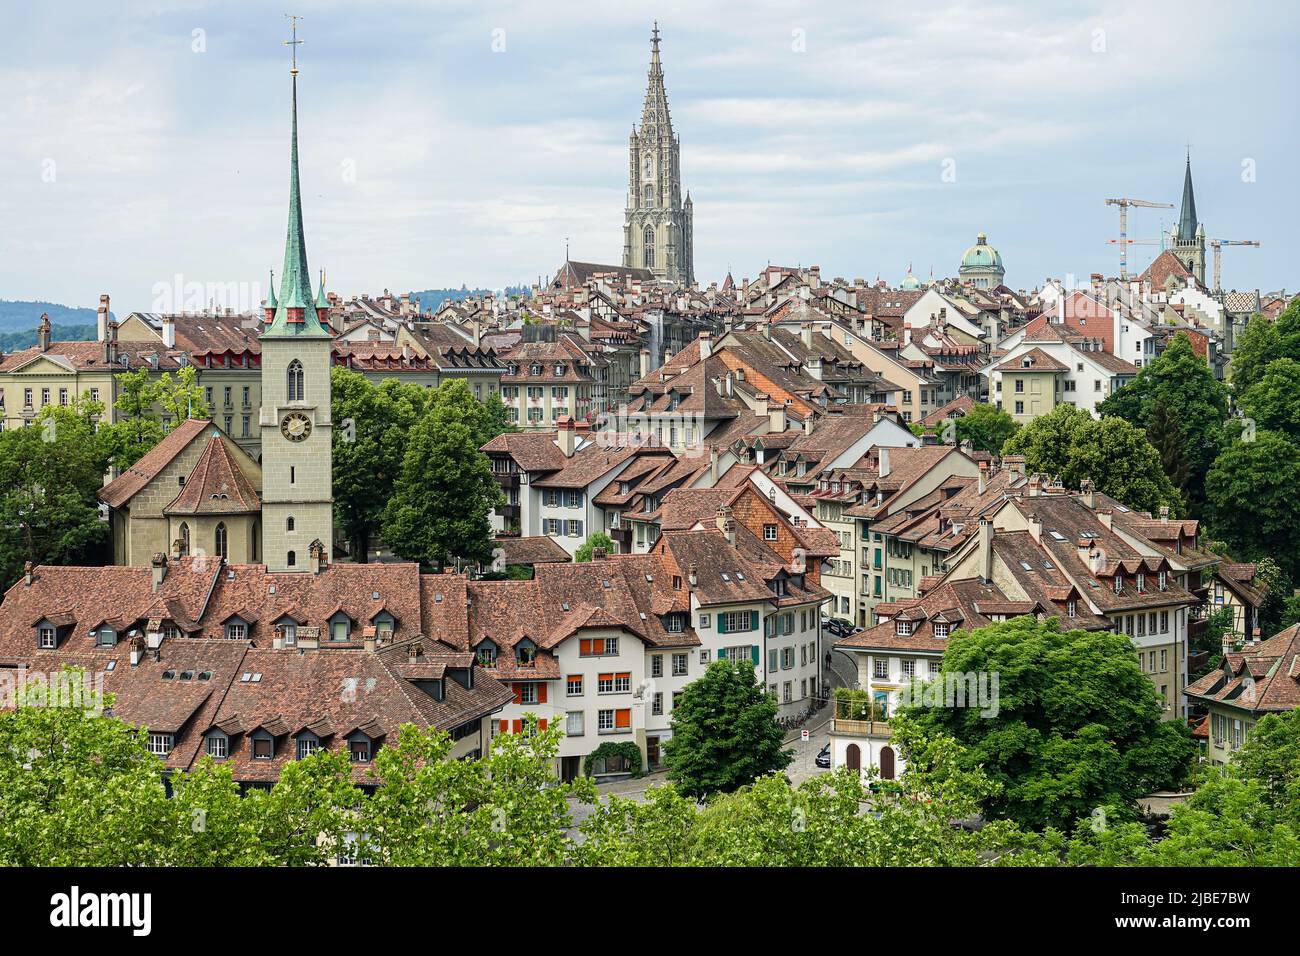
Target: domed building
{"points": [[910, 282], [981, 266]]}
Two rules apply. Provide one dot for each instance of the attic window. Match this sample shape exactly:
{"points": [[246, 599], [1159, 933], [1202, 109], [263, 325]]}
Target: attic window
{"points": [[205, 675], [111, 665], [726, 577], [257, 678], [605, 584], [374, 595], [187, 675], [437, 599], [565, 606], [1056, 536], [271, 589], [1026, 565], [245, 677], [740, 575], [168, 675]]}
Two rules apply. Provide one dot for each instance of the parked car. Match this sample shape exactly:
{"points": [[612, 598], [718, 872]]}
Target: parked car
{"points": [[823, 758], [838, 626]]}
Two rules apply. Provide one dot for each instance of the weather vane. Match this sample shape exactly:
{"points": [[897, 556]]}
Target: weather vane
{"points": [[293, 44]]}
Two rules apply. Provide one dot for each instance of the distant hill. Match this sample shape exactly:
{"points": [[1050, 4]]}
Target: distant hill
{"points": [[17, 341], [432, 299], [19, 316]]}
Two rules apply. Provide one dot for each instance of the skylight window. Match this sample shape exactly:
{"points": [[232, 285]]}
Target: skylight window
{"points": [[1056, 536]]}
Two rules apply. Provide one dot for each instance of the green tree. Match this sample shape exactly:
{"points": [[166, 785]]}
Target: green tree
{"points": [[50, 475], [181, 397], [371, 427], [1271, 400], [445, 489], [138, 427], [1077, 724], [596, 540], [724, 732], [1182, 382], [1288, 330], [1166, 436], [1069, 443], [1257, 346], [1251, 501], [986, 428]]}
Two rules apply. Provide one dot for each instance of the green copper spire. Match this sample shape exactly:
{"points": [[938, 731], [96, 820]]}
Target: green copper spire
{"points": [[1187, 216], [322, 300], [295, 311], [270, 299]]}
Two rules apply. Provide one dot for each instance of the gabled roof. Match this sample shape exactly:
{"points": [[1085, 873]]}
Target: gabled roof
{"points": [[123, 488], [216, 485]]}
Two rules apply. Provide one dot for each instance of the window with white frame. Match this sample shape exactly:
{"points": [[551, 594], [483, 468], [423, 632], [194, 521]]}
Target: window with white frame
{"points": [[573, 723], [902, 628], [680, 664], [161, 744]]}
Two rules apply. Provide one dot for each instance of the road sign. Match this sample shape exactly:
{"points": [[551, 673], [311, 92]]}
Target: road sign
{"points": [[803, 735]]}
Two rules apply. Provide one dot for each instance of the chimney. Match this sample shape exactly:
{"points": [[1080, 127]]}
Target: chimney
{"points": [[159, 570], [645, 362], [883, 454], [692, 577], [776, 419], [767, 330], [169, 331], [414, 653], [43, 332], [316, 558], [110, 344], [726, 524], [1035, 485], [101, 319], [1015, 464], [1164, 514], [137, 650], [1088, 493], [1036, 527], [806, 334], [713, 464], [986, 550], [27, 573], [368, 634], [1106, 518], [565, 435], [706, 345], [984, 477], [808, 425]]}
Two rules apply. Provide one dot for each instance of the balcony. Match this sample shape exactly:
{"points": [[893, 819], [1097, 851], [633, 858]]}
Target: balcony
{"points": [[507, 480], [622, 537], [859, 728], [509, 513]]}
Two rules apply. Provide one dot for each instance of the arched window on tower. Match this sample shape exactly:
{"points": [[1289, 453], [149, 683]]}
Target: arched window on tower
{"points": [[649, 191], [649, 247], [185, 537], [295, 381], [221, 540]]}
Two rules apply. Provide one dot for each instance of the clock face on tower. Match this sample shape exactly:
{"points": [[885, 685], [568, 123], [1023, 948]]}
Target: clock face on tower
{"points": [[295, 426]]}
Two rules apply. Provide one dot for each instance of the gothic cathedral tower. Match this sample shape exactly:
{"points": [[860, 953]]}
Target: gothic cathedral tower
{"points": [[297, 495], [657, 230], [1189, 237]]}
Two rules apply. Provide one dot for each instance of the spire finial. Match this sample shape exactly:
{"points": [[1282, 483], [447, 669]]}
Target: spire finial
{"points": [[654, 36], [293, 43]]}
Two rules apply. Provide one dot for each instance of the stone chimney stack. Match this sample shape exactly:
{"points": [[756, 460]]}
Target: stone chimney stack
{"points": [[1088, 493], [726, 524], [316, 557], [159, 563], [1036, 527], [599, 554], [692, 577], [706, 345], [1164, 514], [645, 363], [27, 573], [986, 549], [984, 477], [101, 319], [110, 343], [883, 455], [565, 435], [169, 331], [43, 332]]}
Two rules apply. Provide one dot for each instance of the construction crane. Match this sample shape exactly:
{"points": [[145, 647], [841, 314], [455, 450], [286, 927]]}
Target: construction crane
{"points": [[1123, 226], [1217, 245]]}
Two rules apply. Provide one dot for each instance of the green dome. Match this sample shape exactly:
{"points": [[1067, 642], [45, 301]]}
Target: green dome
{"points": [[981, 255], [910, 281]]}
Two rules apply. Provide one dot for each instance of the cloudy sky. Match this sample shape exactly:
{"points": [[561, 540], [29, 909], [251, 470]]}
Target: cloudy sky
{"points": [[460, 142]]}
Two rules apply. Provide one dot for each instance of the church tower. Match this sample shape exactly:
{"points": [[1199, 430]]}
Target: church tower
{"points": [[1189, 238], [297, 456], [657, 226]]}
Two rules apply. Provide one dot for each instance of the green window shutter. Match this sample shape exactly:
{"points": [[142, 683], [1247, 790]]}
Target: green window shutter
{"points": [[753, 620], [754, 649], [722, 653]]}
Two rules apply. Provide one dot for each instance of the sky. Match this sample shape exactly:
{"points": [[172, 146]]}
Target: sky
{"points": [[146, 143]]}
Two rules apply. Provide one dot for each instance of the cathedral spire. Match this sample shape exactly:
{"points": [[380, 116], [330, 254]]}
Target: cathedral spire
{"points": [[1187, 217], [654, 117], [295, 312]]}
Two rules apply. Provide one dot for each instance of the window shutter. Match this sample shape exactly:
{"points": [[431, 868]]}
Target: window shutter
{"points": [[754, 649], [519, 726], [722, 653], [519, 693], [505, 726], [753, 620], [622, 718], [541, 723], [541, 693]]}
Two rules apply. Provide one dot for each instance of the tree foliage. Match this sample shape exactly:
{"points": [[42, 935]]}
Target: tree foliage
{"points": [[1077, 724], [595, 540], [50, 474], [1257, 346], [1273, 401], [724, 732], [986, 428], [1180, 387], [438, 511], [1251, 500], [1071, 444]]}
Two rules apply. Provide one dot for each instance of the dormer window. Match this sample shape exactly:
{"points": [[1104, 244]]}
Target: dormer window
{"points": [[359, 748], [160, 745], [1071, 607], [47, 638], [340, 627], [384, 625], [1119, 584], [940, 629], [217, 745], [1141, 583], [308, 744], [902, 628], [526, 653], [534, 370], [1162, 580], [263, 745], [487, 654], [559, 369], [105, 636], [236, 630]]}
